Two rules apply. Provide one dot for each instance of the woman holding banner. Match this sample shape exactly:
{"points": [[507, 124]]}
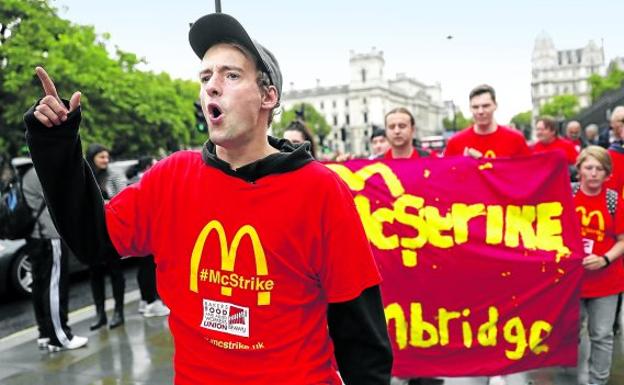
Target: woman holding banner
{"points": [[602, 227]]}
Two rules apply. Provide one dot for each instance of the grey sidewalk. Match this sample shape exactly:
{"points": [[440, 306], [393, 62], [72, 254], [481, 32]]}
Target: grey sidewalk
{"points": [[140, 352]]}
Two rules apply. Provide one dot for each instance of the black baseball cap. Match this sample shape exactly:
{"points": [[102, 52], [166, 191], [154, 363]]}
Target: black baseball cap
{"points": [[217, 28]]}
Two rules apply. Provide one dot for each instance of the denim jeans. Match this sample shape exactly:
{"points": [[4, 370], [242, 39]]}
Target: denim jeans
{"points": [[599, 313]]}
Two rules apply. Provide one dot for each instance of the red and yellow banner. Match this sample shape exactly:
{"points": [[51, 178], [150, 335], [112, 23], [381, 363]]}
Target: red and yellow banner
{"points": [[480, 261]]}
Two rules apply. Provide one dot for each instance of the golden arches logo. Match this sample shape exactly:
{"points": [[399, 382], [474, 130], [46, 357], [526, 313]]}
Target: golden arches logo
{"points": [[228, 256], [586, 220], [357, 180], [489, 154]]}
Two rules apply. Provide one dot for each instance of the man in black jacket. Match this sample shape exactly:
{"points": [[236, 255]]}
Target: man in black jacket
{"points": [[241, 85]]}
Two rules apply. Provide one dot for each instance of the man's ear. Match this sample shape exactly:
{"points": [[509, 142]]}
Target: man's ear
{"points": [[269, 98]]}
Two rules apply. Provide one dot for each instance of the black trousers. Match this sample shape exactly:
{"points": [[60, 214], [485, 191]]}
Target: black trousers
{"points": [[98, 274], [146, 277], [50, 288]]}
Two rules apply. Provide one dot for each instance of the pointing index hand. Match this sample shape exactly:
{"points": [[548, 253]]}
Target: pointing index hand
{"points": [[51, 111]]}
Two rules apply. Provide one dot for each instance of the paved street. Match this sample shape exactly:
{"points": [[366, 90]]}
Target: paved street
{"points": [[141, 351]]}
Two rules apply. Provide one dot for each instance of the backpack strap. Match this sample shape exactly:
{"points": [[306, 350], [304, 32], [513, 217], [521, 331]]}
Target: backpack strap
{"points": [[612, 198]]}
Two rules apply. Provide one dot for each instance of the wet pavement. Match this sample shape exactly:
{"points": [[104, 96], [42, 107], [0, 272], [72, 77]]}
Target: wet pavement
{"points": [[140, 352]]}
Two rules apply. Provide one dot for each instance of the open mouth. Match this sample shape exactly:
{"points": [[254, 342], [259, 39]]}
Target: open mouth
{"points": [[214, 111]]}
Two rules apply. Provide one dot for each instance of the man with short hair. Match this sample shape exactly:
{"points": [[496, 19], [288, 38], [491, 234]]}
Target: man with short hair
{"points": [[252, 299], [592, 134], [486, 138], [548, 140], [400, 132], [573, 135], [379, 143]]}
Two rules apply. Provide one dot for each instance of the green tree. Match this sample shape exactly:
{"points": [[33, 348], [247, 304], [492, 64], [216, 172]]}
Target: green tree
{"points": [[561, 106], [313, 120], [132, 111], [522, 119], [603, 84], [460, 123]]}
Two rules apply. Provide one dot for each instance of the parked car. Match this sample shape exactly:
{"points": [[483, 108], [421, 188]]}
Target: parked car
{"points": [[15, 268]]}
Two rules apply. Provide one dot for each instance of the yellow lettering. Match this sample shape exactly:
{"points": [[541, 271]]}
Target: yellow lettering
{"points": [[373, 224], [466, 330], [549, 227], [536, 338], [436, 224], [494, 225], [519, 222], [516, 335], [444, 316], [395, 312], [462, 214], [419, 327], [488, 330]]}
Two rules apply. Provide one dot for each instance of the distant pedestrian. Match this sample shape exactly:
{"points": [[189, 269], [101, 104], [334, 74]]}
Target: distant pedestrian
{"points": [[573, 133], [378, 143], [49, 268], [110, 183], [298, 133]]}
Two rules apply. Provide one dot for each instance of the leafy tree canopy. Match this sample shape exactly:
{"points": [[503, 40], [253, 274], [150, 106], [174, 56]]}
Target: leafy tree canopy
{"points": [[133, 112], [561, 106]]}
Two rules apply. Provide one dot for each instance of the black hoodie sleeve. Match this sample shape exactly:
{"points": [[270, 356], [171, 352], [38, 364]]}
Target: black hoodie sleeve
{"points": [[70, 189], [361, 343]]}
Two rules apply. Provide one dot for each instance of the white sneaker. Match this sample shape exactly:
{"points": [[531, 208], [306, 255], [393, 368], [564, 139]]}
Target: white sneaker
{"points": [[75, 343], [156, 309], [42, 343], [142, 306], [497, 380]]}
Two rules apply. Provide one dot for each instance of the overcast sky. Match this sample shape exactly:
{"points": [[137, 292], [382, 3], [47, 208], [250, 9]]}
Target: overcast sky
{"points": [[491, 42]]}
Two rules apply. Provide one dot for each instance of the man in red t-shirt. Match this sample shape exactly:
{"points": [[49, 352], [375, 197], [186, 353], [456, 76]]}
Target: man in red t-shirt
{"points": [[549, 140], [259, 292], [400, 131], [486, 138]]}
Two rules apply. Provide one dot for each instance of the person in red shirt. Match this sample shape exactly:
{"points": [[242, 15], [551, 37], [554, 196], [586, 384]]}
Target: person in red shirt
{"points": [[616, 151], [549, 140], [400, 131], [259, 292], [600, 213], [573, 135], [486, 138]]}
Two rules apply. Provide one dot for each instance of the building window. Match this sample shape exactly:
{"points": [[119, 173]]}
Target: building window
{"points": [[364, 101], [346, 102], [347, 120], [334, 103], [365, 118], [335, 120], [363, 75], [322, 105]]}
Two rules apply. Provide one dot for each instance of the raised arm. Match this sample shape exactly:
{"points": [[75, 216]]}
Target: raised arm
{"points": [[73, 196]]}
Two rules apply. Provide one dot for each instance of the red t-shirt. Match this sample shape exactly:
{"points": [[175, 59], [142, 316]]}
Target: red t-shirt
{"points": [[562, 145], [414, 155], [247, 269], [616, 180], [503, 142], [599, 230]]}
